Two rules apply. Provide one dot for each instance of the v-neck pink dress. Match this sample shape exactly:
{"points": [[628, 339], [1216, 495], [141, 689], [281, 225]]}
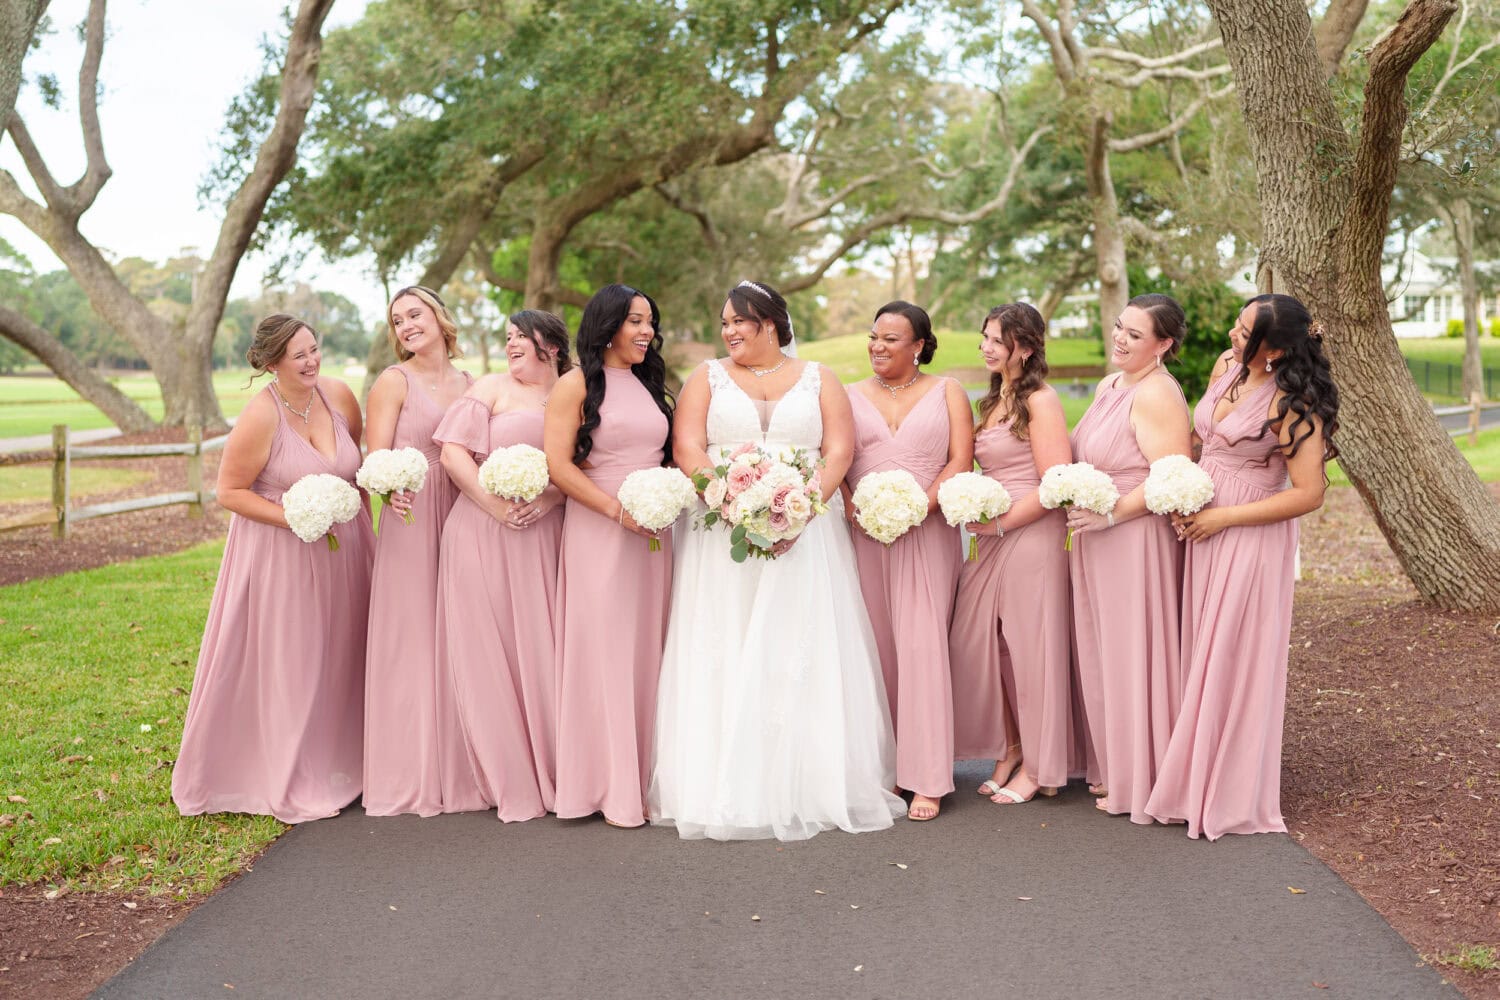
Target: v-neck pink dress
{"points": [[273, 724], [1222, 772], [614, 594], [1011, 640], [497, 614], [908, 587], [402, 696], [1126, 615]]}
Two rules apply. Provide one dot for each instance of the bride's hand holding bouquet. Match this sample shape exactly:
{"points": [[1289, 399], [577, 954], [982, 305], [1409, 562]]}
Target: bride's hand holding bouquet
{"points": [[767, 500]]}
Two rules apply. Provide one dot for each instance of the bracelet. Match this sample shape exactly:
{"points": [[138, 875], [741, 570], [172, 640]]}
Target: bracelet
{"points": [[999, 531], [1109, 519], [621, 518]]}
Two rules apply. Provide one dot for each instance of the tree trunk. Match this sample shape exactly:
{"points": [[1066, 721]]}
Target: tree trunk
{"points": [[187, 386], [1325, 209], [1109, 235], [123, 411], [544, 265], [18, 21], [1462, 214]]}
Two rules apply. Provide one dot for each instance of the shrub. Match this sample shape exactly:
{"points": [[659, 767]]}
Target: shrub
{"points": [[1455, 328]]}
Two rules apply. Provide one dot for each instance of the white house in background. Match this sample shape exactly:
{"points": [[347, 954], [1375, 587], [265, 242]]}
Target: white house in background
{"points": [[1427, 295]]}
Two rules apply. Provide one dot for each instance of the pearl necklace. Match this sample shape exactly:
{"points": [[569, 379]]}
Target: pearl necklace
{"points": [[763, 372], [304, 413], [893, 389]]}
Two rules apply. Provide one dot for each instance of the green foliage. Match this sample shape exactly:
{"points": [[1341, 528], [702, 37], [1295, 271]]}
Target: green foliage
{"points": [[1211, 309], [1455, 328], [98, 666], [1495, 326], [1473, 958]]}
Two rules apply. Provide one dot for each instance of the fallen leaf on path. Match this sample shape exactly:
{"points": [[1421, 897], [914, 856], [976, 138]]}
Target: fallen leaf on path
{"points": [[853, 906], [898, 865], [17, 798], [1320, 986], [52, 894], [73, 758], [1295, 891], [390, 907], [84, 935], [859, 968], [755, 917], [51, 840], [819, 892], [1025, 899], [130, 905]]}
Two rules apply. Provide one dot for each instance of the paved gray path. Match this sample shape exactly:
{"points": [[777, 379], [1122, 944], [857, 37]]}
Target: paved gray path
{"points": [[465, 906], [40, 442]]}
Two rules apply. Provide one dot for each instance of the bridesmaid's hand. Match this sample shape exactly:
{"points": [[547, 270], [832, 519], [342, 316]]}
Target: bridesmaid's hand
{"points": [[990, 528], [499, 508], [523, 515], [1200, 526], [1080, 520], [401, 502], [628, 523]]}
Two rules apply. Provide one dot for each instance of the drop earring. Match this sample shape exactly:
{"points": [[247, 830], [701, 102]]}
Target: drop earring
{"points": [[1158, 361], [1268, 366]]}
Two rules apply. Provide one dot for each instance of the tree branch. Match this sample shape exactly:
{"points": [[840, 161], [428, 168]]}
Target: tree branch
{"points": [[12, 199], [1170, 129], [1454, 67], [82, 193], [1166, 73], [705, 223], [1157, 62], [1062, 61], [125, 412], [1333, 34], [460, 236], [1384, 116], [560, 293]]}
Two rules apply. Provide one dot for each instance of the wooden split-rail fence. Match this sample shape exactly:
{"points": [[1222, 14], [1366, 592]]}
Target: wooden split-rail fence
{"points": [[64, 454]]}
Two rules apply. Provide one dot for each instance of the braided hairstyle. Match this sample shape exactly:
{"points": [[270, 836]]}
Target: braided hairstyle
{"points": [[603, 315], [1021, 328], [1302, 374]]}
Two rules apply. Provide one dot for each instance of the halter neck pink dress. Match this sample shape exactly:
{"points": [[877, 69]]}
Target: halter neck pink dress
{"points": [[614, 595], [908, 587], [1222, 772], [497, 611], [402, 726], [273, 725], [1011, 640], [1126, 620]]}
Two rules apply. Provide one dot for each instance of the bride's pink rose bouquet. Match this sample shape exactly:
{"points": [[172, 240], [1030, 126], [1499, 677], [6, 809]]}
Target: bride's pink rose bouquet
{"points": [[764, 498]]}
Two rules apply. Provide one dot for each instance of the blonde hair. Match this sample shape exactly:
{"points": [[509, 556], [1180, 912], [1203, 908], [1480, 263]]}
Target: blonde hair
{"points": [[272, 334], [445, 320]]}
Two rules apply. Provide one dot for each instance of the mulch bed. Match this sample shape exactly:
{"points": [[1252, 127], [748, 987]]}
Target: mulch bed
{"points": [[1391, 769]]}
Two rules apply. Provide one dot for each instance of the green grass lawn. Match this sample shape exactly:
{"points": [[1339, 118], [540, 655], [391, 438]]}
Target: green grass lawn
{"points": [[848, 360], [1484, 456], [30, 483], [1450, 351], [92, 660]]}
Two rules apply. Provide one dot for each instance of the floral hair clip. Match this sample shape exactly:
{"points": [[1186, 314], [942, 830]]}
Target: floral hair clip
{"points": [[1315, 331]]}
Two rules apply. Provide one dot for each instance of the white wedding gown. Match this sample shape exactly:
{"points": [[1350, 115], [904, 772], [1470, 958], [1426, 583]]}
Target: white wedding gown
{"points": [[771, 720]]}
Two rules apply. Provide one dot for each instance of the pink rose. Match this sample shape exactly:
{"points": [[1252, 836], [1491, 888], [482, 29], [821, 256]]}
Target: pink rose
{"points": [[743, 449], [778, 522], [815, 483], [779, 498], [740, 478]]}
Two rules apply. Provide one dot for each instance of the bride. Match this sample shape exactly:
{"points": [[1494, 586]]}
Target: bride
{"points": [[771, 721]]}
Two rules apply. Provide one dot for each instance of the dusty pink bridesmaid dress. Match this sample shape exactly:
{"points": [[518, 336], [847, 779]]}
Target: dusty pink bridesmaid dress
{"points": [[496, 612], [402, 724], [274, 721], [1222, 772], [1011, 640], [908, 588], [1126, 622], [614, 597]]}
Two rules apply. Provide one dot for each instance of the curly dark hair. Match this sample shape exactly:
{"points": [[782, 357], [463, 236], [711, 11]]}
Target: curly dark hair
{"points": [[921, 325], [1021, 327], [1302, 373], [603, 315]]}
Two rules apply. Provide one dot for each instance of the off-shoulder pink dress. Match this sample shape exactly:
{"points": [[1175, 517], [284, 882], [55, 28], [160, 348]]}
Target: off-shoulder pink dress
{"points": [[1011, 640], [1126, 594], [908, 587], [402, 773], [614, 598], [1222, 772], [274, 721], [497, 611]]}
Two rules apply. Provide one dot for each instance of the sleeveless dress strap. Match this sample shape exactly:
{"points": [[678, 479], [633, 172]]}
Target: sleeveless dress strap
{"points": [[717, 376]]}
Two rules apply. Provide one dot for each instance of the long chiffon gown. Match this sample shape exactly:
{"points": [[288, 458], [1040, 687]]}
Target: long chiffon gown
{"points": [[497, 611], [1011, 641], [908, 587], [771, 721], [1222, 772], [1126, 591], [274, 721], [614, 595], [403, 773]]}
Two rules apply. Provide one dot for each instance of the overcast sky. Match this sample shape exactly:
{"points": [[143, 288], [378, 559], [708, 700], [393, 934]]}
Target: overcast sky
{"points": [[170, 69]]}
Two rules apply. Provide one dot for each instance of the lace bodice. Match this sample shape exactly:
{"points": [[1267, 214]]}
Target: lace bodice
{"points": [[795, 420]]}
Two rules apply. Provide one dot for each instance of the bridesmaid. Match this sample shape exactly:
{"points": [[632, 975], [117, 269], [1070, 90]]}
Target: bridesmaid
{"points": [[273, 724], [1267, 418], [403, 773], [605, 420], [906, 419], [1012, 622], [497, 582], [1126, 566]]}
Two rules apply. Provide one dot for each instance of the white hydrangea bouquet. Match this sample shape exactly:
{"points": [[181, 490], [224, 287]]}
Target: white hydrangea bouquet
{"points": [[516, 472], [969, 497], [392, 470], [1077, 485], [314, 504], [655, 498], [889, 504], [1177, 485], [764, 498]]}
